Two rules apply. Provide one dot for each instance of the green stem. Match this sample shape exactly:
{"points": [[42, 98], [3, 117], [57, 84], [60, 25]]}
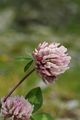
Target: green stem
{"points": [[17, 85]]}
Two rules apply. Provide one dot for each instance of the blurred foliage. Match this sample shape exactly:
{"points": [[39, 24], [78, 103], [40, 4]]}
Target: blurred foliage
{"points": [[62, 16], [25, 23]]}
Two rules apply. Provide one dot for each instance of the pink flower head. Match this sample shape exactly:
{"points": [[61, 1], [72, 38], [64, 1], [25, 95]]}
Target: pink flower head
{"points": [[16, 108], [51, 60]]}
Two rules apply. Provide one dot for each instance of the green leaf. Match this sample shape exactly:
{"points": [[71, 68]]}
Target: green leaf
{"points": [[42, 116], [28, 65], [23, 58], [35, 98], [32, 118]]}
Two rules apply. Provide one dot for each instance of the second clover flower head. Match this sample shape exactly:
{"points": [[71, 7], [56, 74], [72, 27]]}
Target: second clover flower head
{"points": [[16, 108], [51, 60]]}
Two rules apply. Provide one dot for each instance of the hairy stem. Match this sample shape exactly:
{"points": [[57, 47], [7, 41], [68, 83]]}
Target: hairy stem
{"points": [[18, 84]]}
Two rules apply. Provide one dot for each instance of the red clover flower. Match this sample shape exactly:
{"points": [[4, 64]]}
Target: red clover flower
{"points": [[51, 60], [16, 108]]}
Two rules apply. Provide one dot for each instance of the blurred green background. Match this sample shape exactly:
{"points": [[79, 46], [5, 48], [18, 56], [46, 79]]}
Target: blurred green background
{"points": [[24, 24]]}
